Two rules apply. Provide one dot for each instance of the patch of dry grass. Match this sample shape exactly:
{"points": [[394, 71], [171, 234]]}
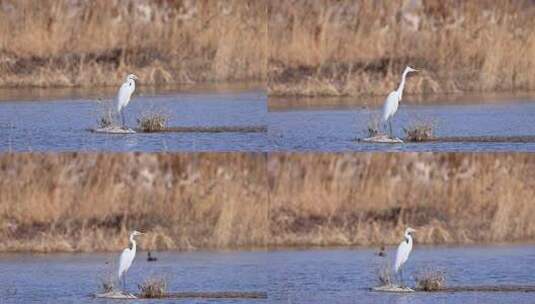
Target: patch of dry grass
{"points": [[107, 285], [88, 43], [153, 121], [419, 131], [90, 202], [430, 280], [105, 114], [153, 288], [369, 198], [384, 275], [361, 47], [374, 125]]}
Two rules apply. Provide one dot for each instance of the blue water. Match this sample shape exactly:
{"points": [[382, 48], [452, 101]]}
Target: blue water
{"points": [[337, 128], [288, 276], [344, 275], [61, 123]]}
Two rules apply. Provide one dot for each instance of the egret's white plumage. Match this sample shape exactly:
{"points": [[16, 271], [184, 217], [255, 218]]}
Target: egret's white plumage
{"points": [[404, 250], [125, 93], [127, 257], [392, 100]]}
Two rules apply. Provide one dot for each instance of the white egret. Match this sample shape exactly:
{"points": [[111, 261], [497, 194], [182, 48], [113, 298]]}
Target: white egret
{"points": [[392, 101], [127, 257], [125, 92], [404, 249]]}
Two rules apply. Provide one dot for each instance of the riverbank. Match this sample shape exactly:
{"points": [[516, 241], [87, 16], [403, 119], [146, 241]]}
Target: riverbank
{"points": [[301, 48], [86, 44], [89, 202], [355, 48]]}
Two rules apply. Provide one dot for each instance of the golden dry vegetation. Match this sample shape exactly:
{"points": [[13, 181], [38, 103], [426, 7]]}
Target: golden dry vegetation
{"points": [[89, 43], [352, 47], [369, 199], [86, 202]]}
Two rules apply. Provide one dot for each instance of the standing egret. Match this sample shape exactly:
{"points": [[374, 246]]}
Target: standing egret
{"points": [[125, 92], [392, 101], [127, 257], [404, 249]]}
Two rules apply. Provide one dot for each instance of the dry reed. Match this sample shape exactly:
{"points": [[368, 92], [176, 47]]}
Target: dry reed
{"points": [[430, 280], [88, 43], [89, 202], [152, 121], [355, 47], [153, 288], [369, 199], [384, 275], [419, 131]]}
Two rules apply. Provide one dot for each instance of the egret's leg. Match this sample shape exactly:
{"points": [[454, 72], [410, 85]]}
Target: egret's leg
{"points": [[401, 277], [390, 125], [124, 282], [122, 118]]}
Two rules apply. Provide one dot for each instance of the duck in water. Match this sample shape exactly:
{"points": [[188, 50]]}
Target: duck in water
{"points": [[150, 258]]}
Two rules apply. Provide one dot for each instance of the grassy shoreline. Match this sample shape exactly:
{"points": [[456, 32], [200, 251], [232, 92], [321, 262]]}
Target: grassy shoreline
{"points": [[83, 202], [87, 43], [301, 48], [354, 48]]}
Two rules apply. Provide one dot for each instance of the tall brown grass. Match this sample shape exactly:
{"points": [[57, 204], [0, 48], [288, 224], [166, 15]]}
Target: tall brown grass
{"points": [[355, 47], [87, 202], [87, 43], [369, 199]]}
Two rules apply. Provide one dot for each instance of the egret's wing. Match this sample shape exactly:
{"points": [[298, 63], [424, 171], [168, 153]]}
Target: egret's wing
{"points": [[123, 96], [390, 105], [401, 255], [124, 261]]}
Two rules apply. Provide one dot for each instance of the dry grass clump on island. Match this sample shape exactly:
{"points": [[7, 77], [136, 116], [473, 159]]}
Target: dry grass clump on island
{"points": [[89, 43], [361, 47], [419, 131], [107, 284], [153, 121], [90, 202], [105, 113], [430, 280], [153, 288], [384, 275], [374, 126]]}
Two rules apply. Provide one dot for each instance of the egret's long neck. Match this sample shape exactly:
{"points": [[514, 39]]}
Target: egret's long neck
{"points": [[133, 243], [402, 84]]}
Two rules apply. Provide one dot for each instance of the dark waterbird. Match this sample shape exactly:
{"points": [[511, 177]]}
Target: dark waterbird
{"points": [[150, 258]]}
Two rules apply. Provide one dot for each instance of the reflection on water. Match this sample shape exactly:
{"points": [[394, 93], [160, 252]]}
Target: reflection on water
{"points": [[288, 276]]}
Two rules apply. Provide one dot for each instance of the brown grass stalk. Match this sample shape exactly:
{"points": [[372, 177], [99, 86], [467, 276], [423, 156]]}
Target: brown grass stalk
{"points": [[361, 47], [88, 43], [89, 202]]}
